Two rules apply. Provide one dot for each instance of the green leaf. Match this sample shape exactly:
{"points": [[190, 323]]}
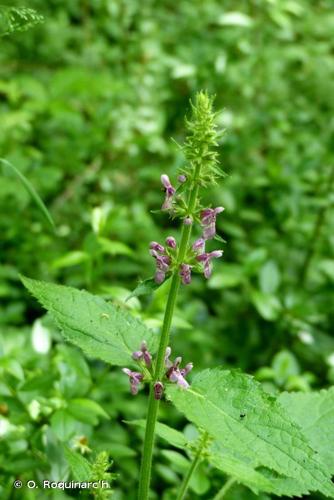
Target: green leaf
{"points": [[231, 275], [31, 190], [80, 467], [269, 277], [144, 288], [268, 306], [86, 410], [172, 436], [314, 413], [113, 247], [235, 19], [284, 365], [70, 259], [63, 425], [99, 328], [253, 431], [17, 19]]}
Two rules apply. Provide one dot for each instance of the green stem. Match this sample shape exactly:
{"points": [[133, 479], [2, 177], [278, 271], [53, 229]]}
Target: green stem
{"points": [[188, 476], [317, 229], [221, 493], [193, 466], [153, 405]]}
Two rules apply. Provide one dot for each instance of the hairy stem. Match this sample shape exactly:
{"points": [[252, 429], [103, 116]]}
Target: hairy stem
{"points": [[226, 486], [193, 466], [153, 406]]}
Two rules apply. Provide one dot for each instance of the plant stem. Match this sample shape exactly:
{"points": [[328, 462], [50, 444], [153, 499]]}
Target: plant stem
{"points": [[317, 228], [193, 466], [153, 405], [226, 486]]}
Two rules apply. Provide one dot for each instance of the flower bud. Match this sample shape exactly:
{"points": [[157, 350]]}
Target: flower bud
{"points": [[187, 221], [158, 390], [171, 242], [185, 273], [156, 247]]}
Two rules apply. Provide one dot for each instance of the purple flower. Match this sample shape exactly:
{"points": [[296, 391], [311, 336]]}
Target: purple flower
{"points": [[187, 221], [208, 221], [143, 354], [205, 258], [162, 265], [199, 246], [171, 242], [158, 390], [168, 363], [185, 273], [177, 377], [182, 178], [170, 190], [159, 277], [157, 247], [184, 371], [135, 379], [174, 373]]}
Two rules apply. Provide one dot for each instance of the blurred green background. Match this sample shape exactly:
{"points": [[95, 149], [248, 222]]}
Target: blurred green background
{"points": [[89, 102]]}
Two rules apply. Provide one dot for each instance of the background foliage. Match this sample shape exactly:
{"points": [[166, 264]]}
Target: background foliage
{"points": [[89, 101]]}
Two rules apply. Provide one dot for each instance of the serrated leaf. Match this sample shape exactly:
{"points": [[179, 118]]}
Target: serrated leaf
{"points": [[80, 467], [314, 413], [99, 328], [252, 428]]}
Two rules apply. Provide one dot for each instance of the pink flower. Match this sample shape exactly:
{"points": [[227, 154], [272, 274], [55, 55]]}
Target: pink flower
{"points": [[174, 373], [157, 247], [185, 273], [143, 354], [168, 362], [177, 377], [208, 221], [206, 258], [170, 191], [135, 379], [158, 390], [162, 265], [199, 246], [171, 242]]}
